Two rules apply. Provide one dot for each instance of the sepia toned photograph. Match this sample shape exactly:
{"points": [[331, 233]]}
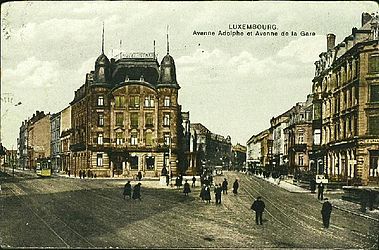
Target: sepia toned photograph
{"points": [[189, 125]]}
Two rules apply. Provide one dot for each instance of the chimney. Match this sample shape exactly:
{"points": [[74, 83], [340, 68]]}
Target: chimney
{"points": [[330, 41], [366, 17]]}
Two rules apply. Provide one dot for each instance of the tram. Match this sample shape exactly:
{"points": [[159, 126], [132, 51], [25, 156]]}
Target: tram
{"points": [[43, 168]]}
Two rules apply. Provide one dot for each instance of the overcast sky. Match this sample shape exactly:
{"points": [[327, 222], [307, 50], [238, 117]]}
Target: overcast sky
{"points": [[232, 85]]}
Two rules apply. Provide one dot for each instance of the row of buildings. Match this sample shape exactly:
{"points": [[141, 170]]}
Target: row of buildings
{"points": [[335, 132], [125, 118]]}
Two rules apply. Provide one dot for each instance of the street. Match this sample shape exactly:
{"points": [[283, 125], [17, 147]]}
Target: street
{"points": [[63, 212]]}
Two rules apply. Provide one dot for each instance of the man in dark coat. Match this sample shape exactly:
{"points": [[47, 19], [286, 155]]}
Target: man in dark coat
{"points": [[235, 187], [207, 194], [258, 206], [137, 192], [202, 192], [128, 190], [186, 188], [177, 182], [167, 180], [193, 181], [80, 174], [218, 192], [325, 212], [320, 191], [225, 186], [139, 175]]}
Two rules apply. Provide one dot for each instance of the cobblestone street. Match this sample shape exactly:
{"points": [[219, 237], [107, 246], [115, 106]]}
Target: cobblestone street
{"points": [[63, 212]]}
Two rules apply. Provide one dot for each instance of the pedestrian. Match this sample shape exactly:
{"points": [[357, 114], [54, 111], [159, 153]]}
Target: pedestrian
{"points": [[320, 191], [225, 186], [325, 212], [177, 181], [235, 187], [312, 186], [84, 174], [186, 189], [128, 190], [258, 206], [164, 171], [80, 174], [167, 180], [218, 192], [69, 173], [207, 194], [139, 175], [137, 191], [202, 192], [193, 181]]}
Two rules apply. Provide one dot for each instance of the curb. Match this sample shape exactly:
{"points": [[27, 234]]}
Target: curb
{"points": [[299, 192], [355, 213]]}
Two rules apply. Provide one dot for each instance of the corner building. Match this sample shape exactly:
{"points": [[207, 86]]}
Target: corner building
{"points": [[126, 117], [346, 89]]}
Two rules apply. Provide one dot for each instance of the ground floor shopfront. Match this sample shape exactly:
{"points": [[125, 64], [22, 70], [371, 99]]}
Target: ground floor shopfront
{"points": [[353, 162], [116, 163]]}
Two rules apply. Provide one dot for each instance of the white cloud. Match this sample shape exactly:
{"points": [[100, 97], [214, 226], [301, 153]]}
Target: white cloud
{"points": [[32, 73]]}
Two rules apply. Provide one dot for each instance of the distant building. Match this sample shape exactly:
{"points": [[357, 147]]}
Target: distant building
{"points": [[299, 137], [22, 145], [211, 149], [259, 151], [39, 135], [55, 122], [65, 131], [279, 151], [239, 157], [346, 90]]}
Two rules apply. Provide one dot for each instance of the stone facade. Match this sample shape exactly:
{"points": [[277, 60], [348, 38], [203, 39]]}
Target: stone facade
{"points": [[55, 122], [259, 150], [346, 86], [279, 152], [22, 145], [239, 156], [299, 137], [126, 118], [65, 130], [39, 135]]}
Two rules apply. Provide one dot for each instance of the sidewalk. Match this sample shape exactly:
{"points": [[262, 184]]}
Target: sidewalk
{"points": [[333, 196]]}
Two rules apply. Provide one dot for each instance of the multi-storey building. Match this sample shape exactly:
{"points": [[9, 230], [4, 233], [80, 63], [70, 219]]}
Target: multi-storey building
{"points": [[55, 157], [239, 156], [259, 150], [299, 137], [39, 135], [211, 149], [279, 151], [22, 145], [347, 82], [126, 117], [65, 130]]}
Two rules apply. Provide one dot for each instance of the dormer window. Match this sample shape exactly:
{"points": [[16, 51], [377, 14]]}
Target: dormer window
{"points": [[167, 101]]}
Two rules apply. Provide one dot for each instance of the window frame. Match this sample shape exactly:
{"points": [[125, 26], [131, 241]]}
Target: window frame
{"points": [[100, 138], [100, 100], [119, 121]]}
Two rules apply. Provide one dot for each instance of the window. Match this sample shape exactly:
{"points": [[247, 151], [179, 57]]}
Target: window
{"points": [[166, 120], [134, 102], [119, 138], [100, 139], [99, 160], [119, 119], [134, 162], [374, 163], [166, 101], [148, 119], [374, 93], [166, 139], [149, 138], [119, 101], [373, 63], [373, 125], [317, 137], [300, 138], [134, 138], [149, 101], [150, 160], [100, 100], [134, 119], [301, 159]]}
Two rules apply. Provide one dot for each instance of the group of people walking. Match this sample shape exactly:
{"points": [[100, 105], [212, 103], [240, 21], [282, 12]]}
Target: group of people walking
{"points": [[136, 191]]}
